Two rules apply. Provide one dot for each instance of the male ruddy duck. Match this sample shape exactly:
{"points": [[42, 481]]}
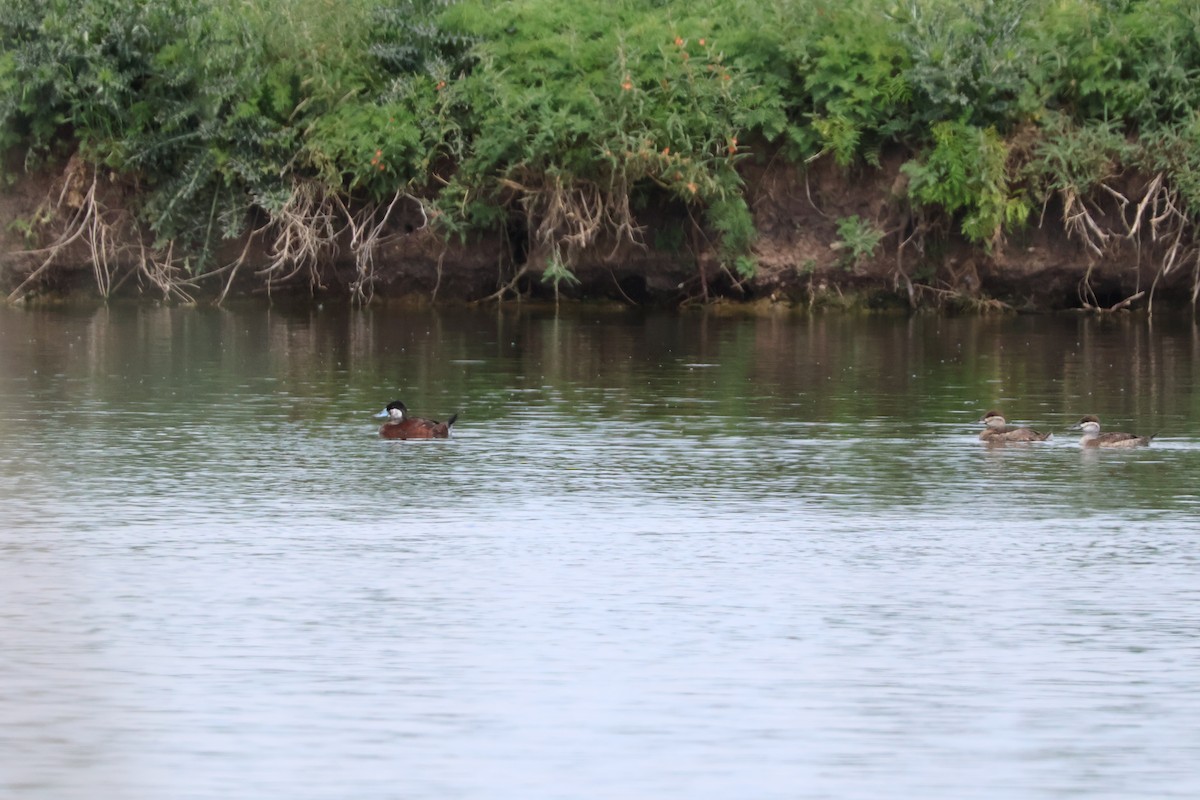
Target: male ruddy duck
{"points": [[1092, 437], [997, 431], [400, 425]]}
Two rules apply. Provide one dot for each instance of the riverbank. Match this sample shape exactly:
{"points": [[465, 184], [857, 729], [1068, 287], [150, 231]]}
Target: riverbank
{"points": [[805, 254], [978, 155]]}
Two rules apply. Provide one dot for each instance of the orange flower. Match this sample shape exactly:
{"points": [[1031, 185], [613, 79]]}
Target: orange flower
{"points": [[692, 187], [678, 41], [628, 84], [378, 153], [441, 85], [666, 151], [702, 43]]}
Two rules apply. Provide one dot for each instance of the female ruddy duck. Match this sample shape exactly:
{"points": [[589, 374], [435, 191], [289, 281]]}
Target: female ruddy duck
{"points": [[400, 425], [1092, 437], [997, 431]]}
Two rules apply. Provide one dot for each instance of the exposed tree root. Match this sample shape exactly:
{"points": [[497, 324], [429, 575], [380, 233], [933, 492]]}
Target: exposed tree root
{"points": [[1157, 216], [102, 231], [305, 231], [567, 218], [233, 267], [1128, 301], [508, 288], [308, 231], [571, 216], [1079, 221], [962, 299]]}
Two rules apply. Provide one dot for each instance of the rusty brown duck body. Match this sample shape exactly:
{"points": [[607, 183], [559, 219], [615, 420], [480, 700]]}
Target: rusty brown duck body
{"points": [[400, 425]]}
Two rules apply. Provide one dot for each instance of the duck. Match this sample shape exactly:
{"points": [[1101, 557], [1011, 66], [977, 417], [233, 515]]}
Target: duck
{"points": [[400, 425], [1092, 437], [996, 430]]}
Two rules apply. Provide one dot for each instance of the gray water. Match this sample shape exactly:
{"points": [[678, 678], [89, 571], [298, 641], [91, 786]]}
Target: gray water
{"points": [[693, 556]]}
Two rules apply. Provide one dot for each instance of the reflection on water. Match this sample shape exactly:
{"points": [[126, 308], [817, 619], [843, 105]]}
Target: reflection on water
{"points": [[663, 556]]}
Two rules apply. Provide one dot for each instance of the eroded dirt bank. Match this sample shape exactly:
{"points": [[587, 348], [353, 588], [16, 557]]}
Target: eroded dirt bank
{"points": [[803, 252]]}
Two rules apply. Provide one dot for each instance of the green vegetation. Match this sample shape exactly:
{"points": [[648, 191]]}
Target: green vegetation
{"points": [[858, 240], [966, 170], [307, 123]]}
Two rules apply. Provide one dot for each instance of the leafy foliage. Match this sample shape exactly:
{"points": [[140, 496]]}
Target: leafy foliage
{"points": [[1076, 158], [413, 42], [854, 80], [1136, 62], [966, 173], [970, 61], [731, 218], [557, 273], [124, 78], [859, 239], [1175, 151], [599, 105]]}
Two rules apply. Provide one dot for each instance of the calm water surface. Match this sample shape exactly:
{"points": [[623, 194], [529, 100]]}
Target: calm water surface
{"points": [[663, 556]]}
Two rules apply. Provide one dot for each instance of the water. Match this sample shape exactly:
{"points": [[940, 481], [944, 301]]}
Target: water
{"points": [[662, 556]]}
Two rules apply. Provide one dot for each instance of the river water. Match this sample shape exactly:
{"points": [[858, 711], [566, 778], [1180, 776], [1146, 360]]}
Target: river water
{"points": [[663, 555]]}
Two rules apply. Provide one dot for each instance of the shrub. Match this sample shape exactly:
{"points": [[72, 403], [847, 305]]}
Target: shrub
{"points": [[966, 174], [854, 82], [969, 61], [1136, 63], [413, 40], [579, 110], [1174, 152], [1076, 158], [858, 240]]}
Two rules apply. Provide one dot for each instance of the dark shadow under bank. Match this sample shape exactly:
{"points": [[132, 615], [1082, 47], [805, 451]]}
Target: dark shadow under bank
{"points": [[667, 285]]}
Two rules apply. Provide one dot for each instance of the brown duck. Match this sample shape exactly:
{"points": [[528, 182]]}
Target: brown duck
{"points": [[400, 425], [997, 430], [1092, 437]]}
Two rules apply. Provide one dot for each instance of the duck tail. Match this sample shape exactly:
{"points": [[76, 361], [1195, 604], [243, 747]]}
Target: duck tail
{"points": [[450, 421]]}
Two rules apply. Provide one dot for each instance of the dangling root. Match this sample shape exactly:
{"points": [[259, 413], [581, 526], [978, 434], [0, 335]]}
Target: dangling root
{"points": [[1079, 221], [1157, 215], [367, 235], [101, 229], [511, 286], [568, 217], [306, 230]]}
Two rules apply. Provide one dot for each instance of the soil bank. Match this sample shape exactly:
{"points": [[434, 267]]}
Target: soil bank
{"points": [[802, 257]]}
